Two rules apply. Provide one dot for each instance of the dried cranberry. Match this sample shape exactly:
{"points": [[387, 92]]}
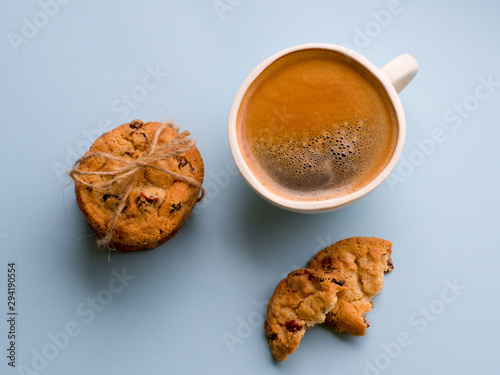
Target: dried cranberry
{"points": [[176, 207], [293, 326], [390, 267], [136, 124], [338, 282], [151, 199], [326, 262]]}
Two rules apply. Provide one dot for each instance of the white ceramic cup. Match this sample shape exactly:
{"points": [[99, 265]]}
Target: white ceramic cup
{"points": [[394, 76]]}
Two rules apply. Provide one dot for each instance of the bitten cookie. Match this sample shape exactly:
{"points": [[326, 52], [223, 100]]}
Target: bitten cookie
{"points": [[299, 301], [362, 263], [157, 202]]}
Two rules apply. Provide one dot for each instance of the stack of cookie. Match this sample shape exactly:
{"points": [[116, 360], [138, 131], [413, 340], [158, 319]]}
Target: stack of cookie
{"points": [[336, 288], [138, 183]]}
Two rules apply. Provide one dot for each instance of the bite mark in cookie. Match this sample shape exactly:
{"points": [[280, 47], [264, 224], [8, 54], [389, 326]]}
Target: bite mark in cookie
{"points": [[362, 263]]}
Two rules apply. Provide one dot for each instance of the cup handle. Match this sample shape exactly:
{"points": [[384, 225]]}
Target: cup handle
{"points": [[400, 71]]}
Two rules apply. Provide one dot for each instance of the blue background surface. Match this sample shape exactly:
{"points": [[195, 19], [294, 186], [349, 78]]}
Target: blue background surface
{"points": [[195, 304]]}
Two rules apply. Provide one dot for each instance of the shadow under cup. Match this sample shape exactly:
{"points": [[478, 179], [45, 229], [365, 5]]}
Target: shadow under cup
{"points": [[316, 127]]}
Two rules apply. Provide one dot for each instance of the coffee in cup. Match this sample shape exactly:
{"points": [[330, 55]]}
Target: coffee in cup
{"points": [[316, 125]]}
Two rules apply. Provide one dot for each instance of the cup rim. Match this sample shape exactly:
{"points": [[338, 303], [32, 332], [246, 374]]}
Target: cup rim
{"points": [[325, 204]]}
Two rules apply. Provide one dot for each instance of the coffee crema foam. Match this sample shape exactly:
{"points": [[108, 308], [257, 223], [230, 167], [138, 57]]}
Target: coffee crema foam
{"points": [[312, 166], [314, 126]]}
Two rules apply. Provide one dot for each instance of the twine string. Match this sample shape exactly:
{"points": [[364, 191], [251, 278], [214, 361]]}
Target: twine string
{"points": [[126, 175]]}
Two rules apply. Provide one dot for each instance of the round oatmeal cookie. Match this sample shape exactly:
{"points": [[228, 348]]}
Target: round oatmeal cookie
{"points": [[154, 203], [299, 301], [362, 263]]}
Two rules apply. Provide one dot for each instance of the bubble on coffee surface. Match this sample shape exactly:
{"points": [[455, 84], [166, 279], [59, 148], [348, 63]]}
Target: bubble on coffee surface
{"points": [[310, 165]]}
